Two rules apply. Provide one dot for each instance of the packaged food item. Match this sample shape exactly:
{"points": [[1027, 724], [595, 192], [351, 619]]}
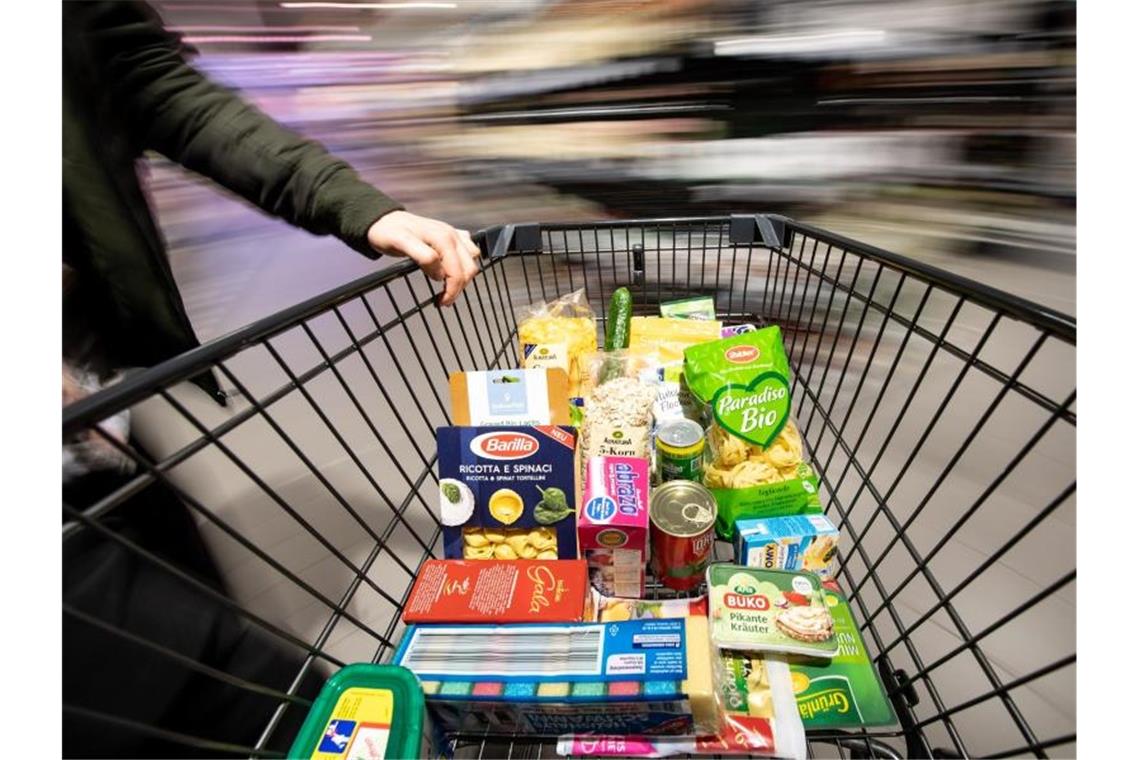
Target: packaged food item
{"points": [[769, 611], [507, 492], [728, 331], [365, 710], [680, 450], [666, 339], [611, 608], [699, 307], [616, 421], [758, 713], [755, 461], [499, 591], [673, 401], [601, 367], [758, 704], [613, 524], [681, 517], [797, 542], [557, 334], [845, 691], [636, 676], [510, 397]]}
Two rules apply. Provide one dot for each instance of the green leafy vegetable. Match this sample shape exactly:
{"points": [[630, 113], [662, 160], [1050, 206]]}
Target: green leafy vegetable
{"points": [[451, 492], [553, 506]]}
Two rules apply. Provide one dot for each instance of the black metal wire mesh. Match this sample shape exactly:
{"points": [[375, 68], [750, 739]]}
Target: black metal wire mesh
{"points": [[940, 414]]}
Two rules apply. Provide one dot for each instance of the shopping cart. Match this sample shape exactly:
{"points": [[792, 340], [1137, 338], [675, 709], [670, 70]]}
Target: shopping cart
{"points": [[939, 413]]}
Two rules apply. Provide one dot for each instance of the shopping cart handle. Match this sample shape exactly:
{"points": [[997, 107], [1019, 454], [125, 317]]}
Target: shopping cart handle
{"points": [[746, 229], [495, 242]]}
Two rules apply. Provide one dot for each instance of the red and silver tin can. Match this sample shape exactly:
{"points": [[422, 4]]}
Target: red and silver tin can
{"points": [[681, 518]]}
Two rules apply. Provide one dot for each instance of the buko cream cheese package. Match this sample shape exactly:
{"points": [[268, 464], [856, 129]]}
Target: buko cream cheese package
{"points": [[507, 492]]}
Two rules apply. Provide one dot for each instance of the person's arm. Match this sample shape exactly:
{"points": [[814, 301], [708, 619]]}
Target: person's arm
{"points": [[210, 129]]}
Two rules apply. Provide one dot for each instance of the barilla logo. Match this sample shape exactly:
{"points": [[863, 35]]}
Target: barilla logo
{"points": [[738, 602], [741, 354], [504, 445]]}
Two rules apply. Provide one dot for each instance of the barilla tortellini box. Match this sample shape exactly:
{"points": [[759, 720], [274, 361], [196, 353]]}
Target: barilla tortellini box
{"points": [[796, 542], [613, 526], [507, 492]]}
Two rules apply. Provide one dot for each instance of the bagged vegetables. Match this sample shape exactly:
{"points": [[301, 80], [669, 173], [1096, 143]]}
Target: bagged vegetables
{"points": [[755, 462]]}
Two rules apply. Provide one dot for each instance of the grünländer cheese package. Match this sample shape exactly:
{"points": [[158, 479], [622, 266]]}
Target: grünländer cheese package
{"points": [[638, 676], [843, 691], [507, 492]]}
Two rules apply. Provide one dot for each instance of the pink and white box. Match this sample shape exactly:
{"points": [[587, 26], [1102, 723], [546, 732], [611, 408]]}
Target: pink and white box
{"points": [[613, 524]]}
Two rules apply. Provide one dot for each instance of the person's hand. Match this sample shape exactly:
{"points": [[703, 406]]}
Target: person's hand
{"points": [[443, 252]]}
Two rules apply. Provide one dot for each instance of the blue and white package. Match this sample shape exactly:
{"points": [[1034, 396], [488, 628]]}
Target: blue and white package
{"points": [[647, 676], [508, 492], [795, 542], [542, 653]]}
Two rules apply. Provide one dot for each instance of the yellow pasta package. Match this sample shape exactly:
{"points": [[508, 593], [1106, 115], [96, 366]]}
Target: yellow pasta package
{"points": [[557, 335], [755, 462]]}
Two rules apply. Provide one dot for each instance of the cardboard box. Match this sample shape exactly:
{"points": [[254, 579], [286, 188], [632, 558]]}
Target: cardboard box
{"points": [[508, 492], [499, 591], [635, 677], [797, 542], [613, 524]]}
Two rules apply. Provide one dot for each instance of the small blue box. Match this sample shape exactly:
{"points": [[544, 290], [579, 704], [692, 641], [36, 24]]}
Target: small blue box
{"points": [[796, 542]]}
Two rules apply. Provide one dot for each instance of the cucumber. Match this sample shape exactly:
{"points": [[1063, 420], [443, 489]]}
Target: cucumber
{"points": [[617, 326], [617, 332]]}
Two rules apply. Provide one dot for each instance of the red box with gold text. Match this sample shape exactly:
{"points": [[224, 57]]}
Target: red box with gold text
{"points": [[499, 591]]}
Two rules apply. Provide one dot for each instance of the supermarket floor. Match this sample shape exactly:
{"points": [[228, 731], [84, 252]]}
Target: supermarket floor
{"points": [[230, 279]]}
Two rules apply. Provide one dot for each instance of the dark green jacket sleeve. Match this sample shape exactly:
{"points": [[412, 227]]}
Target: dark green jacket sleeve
{"points": [[208, 128]]}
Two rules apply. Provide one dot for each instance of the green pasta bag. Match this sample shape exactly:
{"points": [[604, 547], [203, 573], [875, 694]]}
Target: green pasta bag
{"points": [[754, 461]]}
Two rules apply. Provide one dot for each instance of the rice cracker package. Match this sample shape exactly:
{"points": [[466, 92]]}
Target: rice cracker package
{"points": [[755, 464]]}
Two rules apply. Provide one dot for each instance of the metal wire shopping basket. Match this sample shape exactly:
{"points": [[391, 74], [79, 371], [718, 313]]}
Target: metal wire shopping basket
{"points": [[939, 412]]}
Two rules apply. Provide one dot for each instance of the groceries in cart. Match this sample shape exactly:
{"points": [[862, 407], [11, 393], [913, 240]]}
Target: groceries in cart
{"points": [[365, 710], [796, 542], [507, 492], [756, 465], [579, 597], [844, 691], [557, 335], [613, 524], [700, 307], [510, 397], [769, 611], [499, 591], [636, 676]]}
